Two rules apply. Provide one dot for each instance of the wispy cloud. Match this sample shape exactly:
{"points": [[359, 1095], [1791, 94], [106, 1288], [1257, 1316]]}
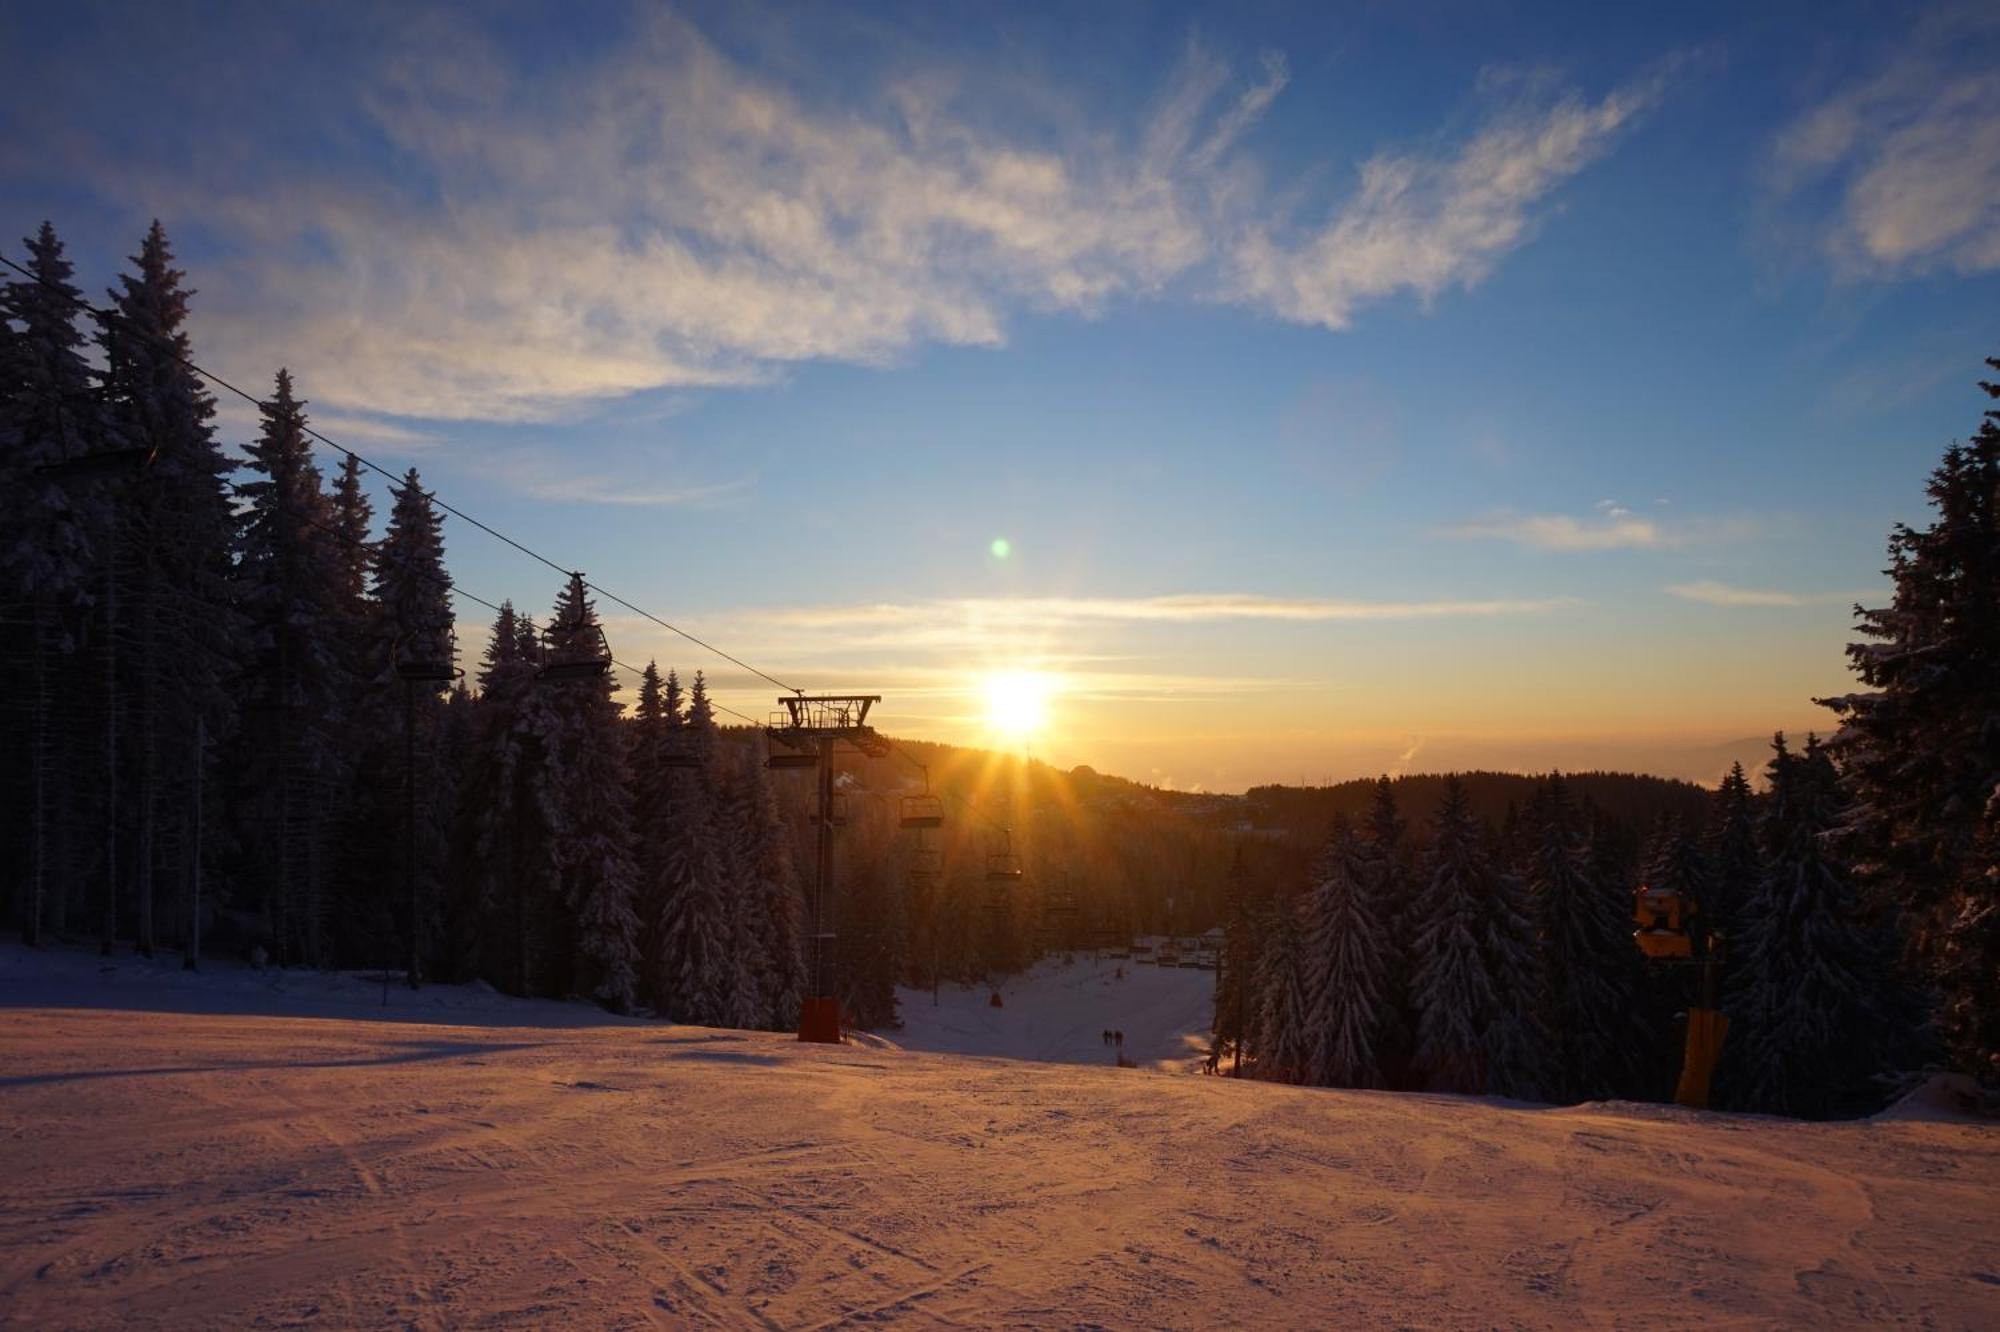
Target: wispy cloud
{"points": [[1426, 222], [1180, 608], [562, 478], [1713, 593], [1909, 156], [1607, 530], [354, 430], [666, 216], [1610, 526]]}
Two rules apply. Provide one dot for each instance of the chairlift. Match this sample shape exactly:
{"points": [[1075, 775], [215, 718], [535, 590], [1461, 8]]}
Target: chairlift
{"points": [[779, 755], [1002, 865], [923, 810], [837, 811], [925, 862], [574, 648]]}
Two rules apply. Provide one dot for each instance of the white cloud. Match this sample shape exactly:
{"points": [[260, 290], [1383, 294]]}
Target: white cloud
{"points": [[1179, 608], [1425, 222], [665, 216], [1910, 155], [1712, 593], [561, 477], [1610, 526], [1612, 530]]}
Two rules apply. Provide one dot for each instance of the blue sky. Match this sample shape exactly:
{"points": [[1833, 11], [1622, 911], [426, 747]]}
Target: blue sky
{"points": [[1359, 387]]}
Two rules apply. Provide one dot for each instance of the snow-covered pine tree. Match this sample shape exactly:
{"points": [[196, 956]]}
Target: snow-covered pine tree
{"points": [[1812, 1012], [288, 759], [1735, 866], [1674, 862], [694, 928], [1286, 1023], [1919, 747], [506, 823], [1235, 985], [411, 630], [353, 522], [744, 979], [761, 854], [593, 818], [654, 784], [1517, 1045], [1348, 951], [174, 567], [49, 562], [1386, 856], [1454, 992], [1590, 983]]}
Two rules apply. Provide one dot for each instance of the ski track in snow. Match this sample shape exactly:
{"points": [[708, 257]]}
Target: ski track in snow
{"points": [[269, 1169]]}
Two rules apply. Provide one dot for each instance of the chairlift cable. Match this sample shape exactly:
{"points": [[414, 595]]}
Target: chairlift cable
{"points": [[109, 316]]}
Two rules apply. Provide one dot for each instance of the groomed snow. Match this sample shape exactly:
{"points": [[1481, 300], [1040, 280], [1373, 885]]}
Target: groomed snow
{"points": [[168, 1168], [1058, 1011]]}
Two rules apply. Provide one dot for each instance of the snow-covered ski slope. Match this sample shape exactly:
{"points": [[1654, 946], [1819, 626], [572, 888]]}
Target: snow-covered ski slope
{"points": [[1057, 1012], [207, 1169]]}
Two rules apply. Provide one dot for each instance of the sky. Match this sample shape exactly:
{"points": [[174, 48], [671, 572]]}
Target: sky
{"points": [[1290, 392]]}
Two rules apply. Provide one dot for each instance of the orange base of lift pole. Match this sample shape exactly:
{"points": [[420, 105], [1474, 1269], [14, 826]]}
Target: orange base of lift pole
{"points": [[819, 1021]]}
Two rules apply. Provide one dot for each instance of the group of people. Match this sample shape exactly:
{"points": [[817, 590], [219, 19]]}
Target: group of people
{"points": [[1116, 1038]]}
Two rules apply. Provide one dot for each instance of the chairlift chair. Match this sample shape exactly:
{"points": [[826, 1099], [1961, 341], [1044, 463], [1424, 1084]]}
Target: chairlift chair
{"points": [[925, 862], [922, 811], [574, 651], [1002, 865], [781, 756], [837, 811]]}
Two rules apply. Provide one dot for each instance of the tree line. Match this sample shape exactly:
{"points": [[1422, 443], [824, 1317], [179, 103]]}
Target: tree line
{"points": [[240, 727], [1856, 897]]}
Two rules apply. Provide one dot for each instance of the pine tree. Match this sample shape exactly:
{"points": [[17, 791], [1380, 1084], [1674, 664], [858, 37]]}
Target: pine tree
{"points": [[1285, 1027], [770, 893], [1590, 993], [412, 649], [1919, 748], [290, 761], [1455, 995], [695, 985], [353, 522], [1734, 864], [506, 830], [173, 575], [593, 820], [1234, 982], [48, 565], [1812, 1012], [1386, 858], [1348, 949]]}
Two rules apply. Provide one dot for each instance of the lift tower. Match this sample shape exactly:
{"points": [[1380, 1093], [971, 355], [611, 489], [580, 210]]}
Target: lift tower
{"points": [[807, 733]]}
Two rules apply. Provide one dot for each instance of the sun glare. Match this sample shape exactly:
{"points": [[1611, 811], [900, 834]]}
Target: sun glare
{"points": [[1017, 702]]}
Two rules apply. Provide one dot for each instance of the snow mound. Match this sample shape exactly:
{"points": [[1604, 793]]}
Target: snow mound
{"points": [[1947, 1098]]}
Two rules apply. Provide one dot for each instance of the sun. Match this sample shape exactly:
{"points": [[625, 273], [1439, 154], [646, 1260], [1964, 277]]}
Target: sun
{"points": [[1017, 702]]}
